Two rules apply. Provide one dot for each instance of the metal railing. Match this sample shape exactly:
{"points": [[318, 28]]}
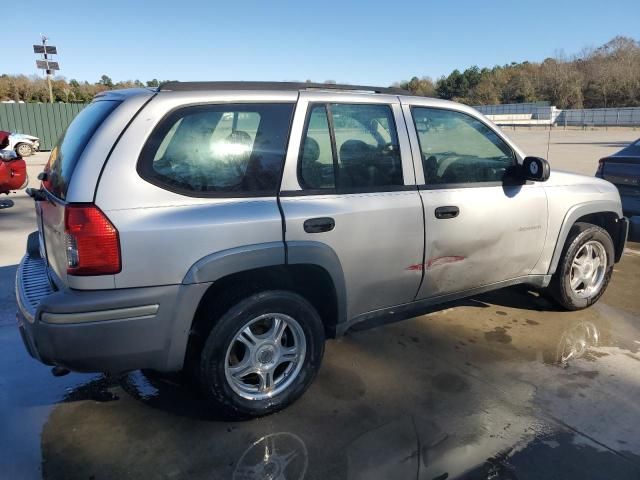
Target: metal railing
{"points": [[536, 114]]}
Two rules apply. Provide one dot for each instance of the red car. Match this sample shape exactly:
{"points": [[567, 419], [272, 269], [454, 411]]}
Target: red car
{"points": [[13, 171]]}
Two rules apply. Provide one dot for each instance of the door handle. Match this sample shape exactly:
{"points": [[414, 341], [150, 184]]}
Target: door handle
{"points": [[320, 224], [447, 212]]}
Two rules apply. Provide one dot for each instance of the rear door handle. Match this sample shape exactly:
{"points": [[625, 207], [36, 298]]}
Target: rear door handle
{"points": [[447, 212], [320, 224]]}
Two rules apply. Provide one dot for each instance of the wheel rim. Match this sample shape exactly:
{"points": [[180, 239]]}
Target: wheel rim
{"points": [[24, 150], [588, 269], [265, 356]]}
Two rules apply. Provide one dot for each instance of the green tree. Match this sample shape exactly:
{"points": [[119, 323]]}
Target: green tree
{"points": [[106, 81]]}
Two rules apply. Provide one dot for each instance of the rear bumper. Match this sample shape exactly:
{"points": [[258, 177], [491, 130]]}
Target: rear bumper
{"points": [[104, 330]]}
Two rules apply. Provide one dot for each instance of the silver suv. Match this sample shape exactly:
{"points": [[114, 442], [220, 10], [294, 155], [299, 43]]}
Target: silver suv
{"points": [[227, 229]]}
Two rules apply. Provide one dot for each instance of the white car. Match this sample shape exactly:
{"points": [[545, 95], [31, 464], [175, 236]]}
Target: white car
{"points": [[24, 145]]}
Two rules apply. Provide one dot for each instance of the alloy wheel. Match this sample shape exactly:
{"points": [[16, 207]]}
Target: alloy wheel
{"points": [[588, 269], [265, 356]]}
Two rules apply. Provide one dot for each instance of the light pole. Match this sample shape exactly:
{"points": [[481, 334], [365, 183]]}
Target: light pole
{"points": [[46, 63]]}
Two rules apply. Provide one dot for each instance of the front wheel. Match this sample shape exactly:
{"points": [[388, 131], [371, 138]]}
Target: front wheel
{"points": [[585, 267], [262, 354]]}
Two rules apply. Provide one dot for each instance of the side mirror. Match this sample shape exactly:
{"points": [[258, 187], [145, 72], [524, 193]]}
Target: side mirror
{"points": [[536, 169]]}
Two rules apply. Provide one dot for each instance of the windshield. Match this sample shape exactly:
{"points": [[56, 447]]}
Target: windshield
{"points": [[64, 156]]}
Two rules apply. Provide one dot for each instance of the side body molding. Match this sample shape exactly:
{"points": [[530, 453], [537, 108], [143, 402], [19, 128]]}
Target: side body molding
{"points": [[234, 260], [574, 213], [322, 255]]}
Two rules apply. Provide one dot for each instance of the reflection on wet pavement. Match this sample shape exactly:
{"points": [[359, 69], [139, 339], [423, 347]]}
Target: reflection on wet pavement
{"points": [[502, 386], [275, 456]]}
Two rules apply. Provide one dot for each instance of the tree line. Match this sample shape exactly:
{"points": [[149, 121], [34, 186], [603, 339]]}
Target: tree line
{"points": [[607, 76], [23, 88]]}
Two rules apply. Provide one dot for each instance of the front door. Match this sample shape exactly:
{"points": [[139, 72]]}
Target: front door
{"points": [[349, 184], [479, 229]]}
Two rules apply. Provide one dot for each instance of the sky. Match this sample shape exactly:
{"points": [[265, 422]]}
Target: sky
{"points": [[358, 42]]}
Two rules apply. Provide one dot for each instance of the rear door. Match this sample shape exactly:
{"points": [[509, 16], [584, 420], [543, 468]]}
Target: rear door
{"points": [[479, 228], [349, 184]]}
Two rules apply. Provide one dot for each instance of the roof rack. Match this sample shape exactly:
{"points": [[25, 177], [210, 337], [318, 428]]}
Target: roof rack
{"points": [[194, 86]]}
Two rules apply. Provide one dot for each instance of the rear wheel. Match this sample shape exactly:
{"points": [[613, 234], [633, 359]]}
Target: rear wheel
{"points": [[24, 149], [262, 354], [585, 267]]}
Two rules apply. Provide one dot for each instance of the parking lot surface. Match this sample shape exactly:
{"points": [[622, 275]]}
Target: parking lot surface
{"points": [[500, 386]]}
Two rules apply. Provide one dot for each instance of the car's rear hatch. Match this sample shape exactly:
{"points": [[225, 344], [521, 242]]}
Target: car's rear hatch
{"points": [[59, 171]]}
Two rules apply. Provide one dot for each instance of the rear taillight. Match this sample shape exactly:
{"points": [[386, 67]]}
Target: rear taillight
{"points": [[91, 241]]}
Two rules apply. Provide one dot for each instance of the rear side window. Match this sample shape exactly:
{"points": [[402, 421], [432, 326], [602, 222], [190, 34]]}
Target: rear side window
{"points": [[350, 147], [209, 150], [316, 157], [65, 155]]}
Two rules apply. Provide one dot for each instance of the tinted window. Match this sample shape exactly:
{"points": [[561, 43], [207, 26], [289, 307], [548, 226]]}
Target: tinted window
{"points": [[457, 148], [65, 155], [364, 153], [209, 149], [316, 159]]}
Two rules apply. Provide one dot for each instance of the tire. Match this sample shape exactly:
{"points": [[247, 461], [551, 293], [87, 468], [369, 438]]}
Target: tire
{"points": [[24, 150], [6, 203], [226, 348], [580, 237]]}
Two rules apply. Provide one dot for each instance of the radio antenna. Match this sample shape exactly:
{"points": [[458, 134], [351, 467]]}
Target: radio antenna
{"points": [[549, 141]]}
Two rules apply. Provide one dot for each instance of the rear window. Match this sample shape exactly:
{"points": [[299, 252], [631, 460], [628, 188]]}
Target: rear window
{"points": [[210, 150], [65, 155]]}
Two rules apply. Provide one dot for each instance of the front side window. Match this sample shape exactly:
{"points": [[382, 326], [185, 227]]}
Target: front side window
{"points": [[219, 149], [457, 148], [350, 147]]}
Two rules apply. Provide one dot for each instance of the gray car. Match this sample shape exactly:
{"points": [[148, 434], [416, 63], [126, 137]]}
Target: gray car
{"points": [[227, 229]]}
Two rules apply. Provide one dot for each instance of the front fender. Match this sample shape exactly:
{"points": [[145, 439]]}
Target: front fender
{"points": [[570, 218]]}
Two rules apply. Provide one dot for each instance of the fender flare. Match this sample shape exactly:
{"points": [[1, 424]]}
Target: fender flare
{"points": [[322, 255], [235, 260], [573, 214]]}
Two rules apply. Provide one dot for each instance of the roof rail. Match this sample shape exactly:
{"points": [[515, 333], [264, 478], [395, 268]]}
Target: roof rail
{"points": [[194, 86]]}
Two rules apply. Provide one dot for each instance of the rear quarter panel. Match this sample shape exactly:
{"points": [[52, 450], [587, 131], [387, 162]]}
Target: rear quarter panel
{"points": [[162, 233], [87, 171]]}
